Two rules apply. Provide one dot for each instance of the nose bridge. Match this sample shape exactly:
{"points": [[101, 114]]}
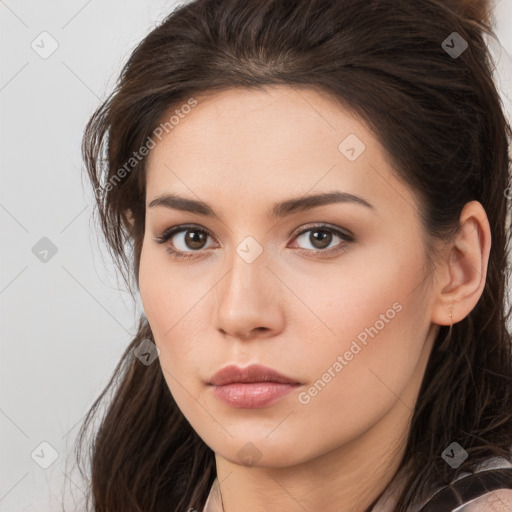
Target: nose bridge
{"points": [[245, 299], [246, 279]]}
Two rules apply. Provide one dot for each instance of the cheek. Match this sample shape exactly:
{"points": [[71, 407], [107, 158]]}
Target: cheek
{"points": [[166, 310], [172, 306], [158, 299], [372, 324], [347, 301], [161, 291]]}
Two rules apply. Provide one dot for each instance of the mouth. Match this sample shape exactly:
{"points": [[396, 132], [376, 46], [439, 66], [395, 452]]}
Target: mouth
{"points": [[252, 387]]}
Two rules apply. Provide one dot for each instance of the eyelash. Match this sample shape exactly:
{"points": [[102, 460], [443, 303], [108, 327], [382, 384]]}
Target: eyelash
{"points": [[168, 234]]}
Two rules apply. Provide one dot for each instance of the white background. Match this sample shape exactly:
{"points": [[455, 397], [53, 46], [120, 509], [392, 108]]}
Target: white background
{"points": [[66, 322]]}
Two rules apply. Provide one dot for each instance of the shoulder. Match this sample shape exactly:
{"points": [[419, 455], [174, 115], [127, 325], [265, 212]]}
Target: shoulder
{"points": [[499, 500], [487, 489]]}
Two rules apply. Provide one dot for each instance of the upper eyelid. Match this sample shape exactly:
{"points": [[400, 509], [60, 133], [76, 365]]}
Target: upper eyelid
{"points": [[322, 225]]}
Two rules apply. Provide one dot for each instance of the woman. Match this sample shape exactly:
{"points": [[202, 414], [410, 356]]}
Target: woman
{"points": [[311, 197]]}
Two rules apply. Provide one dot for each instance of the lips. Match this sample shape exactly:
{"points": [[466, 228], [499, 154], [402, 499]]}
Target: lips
{"points": [[253, 373], [253, 387]]}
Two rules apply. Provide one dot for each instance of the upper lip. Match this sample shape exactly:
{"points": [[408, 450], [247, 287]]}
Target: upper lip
{"points": [[253, 373]]}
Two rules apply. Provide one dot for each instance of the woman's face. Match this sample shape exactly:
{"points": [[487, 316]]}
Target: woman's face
{"points": [[346, 314]]}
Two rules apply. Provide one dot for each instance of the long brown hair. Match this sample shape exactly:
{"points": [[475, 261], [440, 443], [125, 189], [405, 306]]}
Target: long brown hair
{"points": [[440, 118]]}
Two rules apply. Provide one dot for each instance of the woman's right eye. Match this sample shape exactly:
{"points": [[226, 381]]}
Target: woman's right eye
{"points": [[183, 238]]}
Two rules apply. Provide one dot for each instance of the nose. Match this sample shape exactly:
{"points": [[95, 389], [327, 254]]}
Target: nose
{"points": [[248, 300]]}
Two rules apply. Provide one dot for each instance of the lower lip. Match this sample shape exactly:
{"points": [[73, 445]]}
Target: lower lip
{"points": [[252, 395]]}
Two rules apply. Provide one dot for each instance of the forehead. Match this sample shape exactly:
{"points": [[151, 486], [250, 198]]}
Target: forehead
{"points": [[242, 144]]}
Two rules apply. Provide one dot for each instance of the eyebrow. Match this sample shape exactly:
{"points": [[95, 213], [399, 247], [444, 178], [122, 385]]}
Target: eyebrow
{"points": [[278, 210]]}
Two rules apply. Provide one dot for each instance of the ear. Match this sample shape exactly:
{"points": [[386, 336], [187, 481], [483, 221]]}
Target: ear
{"points": [[462, 278], [128, 219]]}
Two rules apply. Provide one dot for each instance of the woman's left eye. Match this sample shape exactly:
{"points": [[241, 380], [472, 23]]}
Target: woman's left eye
{"points": [[321, 236]]}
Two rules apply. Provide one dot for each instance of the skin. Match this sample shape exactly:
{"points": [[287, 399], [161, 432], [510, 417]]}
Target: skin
{"points": [[240, 151], [497, 501]]}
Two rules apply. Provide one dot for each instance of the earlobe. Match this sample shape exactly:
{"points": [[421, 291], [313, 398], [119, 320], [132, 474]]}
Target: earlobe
{"points": [[466, 267]]}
